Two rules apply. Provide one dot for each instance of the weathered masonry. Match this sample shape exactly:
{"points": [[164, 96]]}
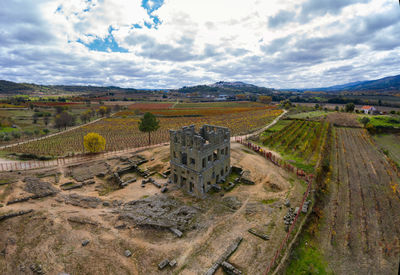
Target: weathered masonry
{"points": [[199, 160]]}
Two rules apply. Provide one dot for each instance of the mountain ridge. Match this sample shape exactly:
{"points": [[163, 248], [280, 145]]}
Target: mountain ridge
{"points": [[388, 83]]}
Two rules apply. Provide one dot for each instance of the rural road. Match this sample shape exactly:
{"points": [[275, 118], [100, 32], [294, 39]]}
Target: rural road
{"points": [[262, 129]]}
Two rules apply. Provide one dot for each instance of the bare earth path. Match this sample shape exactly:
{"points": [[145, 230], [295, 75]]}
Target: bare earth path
{"points": [[262, 129]]}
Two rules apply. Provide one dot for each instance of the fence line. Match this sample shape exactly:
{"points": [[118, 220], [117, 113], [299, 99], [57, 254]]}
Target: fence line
{"points": [[34, 164], [276, 160], [299, 173]]}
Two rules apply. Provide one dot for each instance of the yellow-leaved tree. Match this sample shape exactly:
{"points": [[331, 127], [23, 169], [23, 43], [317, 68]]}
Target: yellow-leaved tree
{"points": [[94, 142]]}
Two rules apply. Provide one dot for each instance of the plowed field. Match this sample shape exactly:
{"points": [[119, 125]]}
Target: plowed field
{"points": [[361, 231]]}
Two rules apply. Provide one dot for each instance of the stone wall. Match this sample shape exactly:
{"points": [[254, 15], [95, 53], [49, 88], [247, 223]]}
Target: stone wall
{"points": [[199, 160]]}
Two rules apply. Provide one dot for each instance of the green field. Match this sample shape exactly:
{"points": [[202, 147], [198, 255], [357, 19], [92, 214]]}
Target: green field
{"points": [[391, 144], [307, 258], [383, 120], [7, 129], [308, 115], [278, 126], [298, 141], [25, 128]]}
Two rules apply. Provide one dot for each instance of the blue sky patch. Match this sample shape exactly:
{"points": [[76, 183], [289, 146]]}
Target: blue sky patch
{"points": [[107, 44], [150, 6]]}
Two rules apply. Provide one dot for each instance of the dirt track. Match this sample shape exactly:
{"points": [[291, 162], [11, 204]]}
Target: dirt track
{"points": [[362, 227]]}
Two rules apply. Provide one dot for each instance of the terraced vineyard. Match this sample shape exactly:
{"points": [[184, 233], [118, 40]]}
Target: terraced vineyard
{"points": [[299, 141], [362, 226]]}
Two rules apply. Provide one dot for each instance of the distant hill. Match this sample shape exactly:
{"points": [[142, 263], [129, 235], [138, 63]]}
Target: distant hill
{"points": [[386, 84], [9, 87], [236, 84], [12, 87], [223, 87]]}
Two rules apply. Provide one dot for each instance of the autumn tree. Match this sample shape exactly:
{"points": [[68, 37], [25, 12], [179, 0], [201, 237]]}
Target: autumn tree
{"points": [[63, 120], [149, 123], [265, 99], [103, 110], [85, 116], [365, 121], [94, 142], [241, 97], [286, 104], [117, 108]]}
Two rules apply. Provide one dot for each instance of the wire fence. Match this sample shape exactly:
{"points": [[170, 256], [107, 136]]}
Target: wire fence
{"points": [[35, 164], [290, 168]]}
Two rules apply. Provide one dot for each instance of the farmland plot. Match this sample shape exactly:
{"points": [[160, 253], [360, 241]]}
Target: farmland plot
{"points": [[123, 132], [361, 231], [299, 142]]}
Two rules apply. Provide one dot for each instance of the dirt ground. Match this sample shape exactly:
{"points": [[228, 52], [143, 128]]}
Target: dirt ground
{"points": [[361, 229], [343, 119], [51, 236]]}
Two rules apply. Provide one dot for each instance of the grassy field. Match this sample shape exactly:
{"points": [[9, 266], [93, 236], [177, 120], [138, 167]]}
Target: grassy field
{"points": [[279, 126], [308, 115], [307, 258], [391, 144], [7, 129], [383, 120], [24, 126]]}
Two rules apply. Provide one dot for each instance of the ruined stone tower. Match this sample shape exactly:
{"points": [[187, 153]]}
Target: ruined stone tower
{"points": [[199, 160]]}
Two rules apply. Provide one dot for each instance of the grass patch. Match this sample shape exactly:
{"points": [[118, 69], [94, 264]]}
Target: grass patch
{"points": [[383, 120], [247, 151], [231, 178], [308, 115], [298, 162], [5, 190], [5, 181], [268, 201], [107, 187], [278, 126], [390, 143], [306, 258], [8, 129]]}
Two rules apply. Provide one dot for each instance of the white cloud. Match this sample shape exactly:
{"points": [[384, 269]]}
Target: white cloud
{"points": [[278, 43]]}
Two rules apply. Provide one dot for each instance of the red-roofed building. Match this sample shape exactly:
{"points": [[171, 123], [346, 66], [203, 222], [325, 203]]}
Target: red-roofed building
{"points": [[368, 109]]}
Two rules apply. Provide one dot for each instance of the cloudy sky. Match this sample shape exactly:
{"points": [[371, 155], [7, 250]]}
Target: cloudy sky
{"points": [[172, 43]]}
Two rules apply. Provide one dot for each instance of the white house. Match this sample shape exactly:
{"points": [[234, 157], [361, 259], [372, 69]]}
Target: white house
{"points": [[369, 110]]}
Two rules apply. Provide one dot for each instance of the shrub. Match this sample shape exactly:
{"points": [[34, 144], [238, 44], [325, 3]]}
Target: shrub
{"points": [[16, 134], [371, 128], [94, 142], [365, 120]]}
